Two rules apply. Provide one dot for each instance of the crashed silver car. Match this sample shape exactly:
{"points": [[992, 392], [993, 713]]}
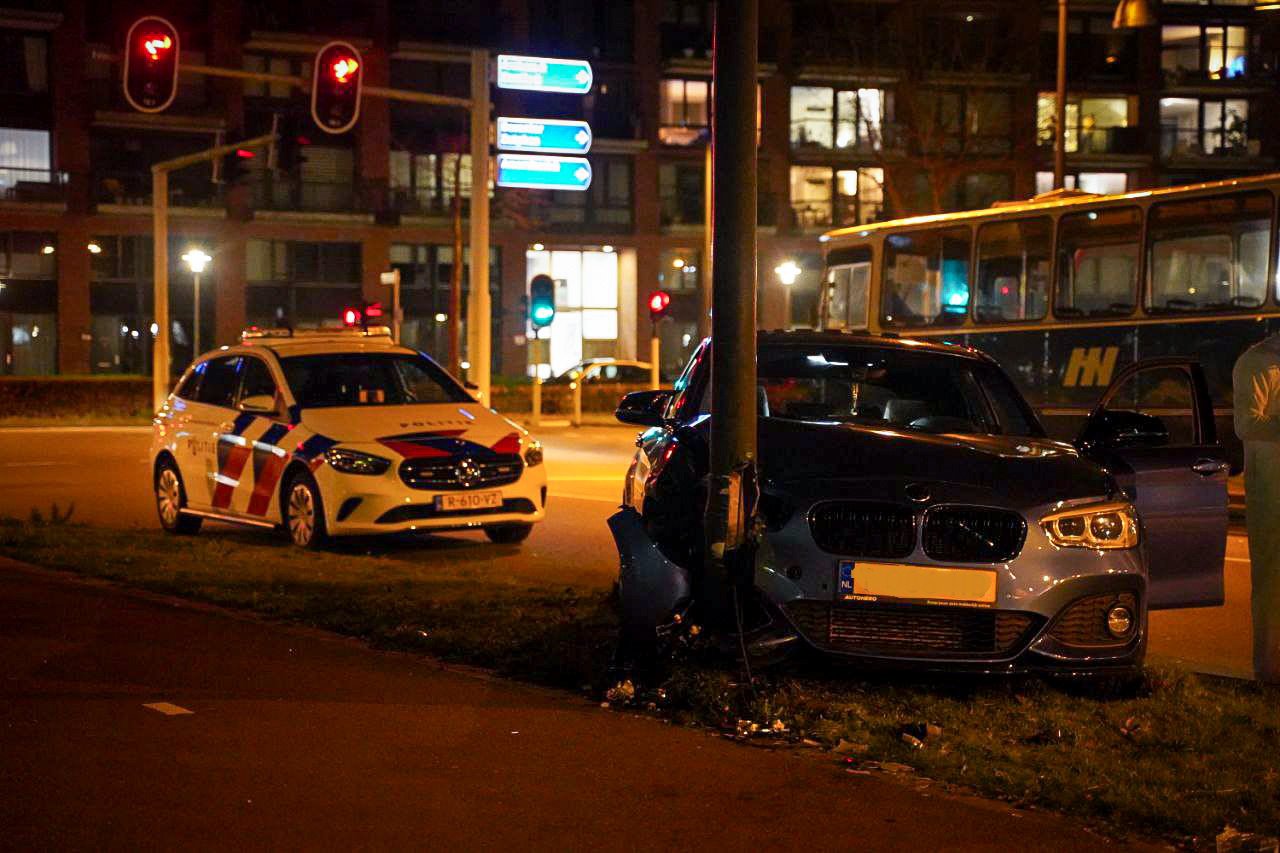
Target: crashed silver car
{"points": [[916, 513]]}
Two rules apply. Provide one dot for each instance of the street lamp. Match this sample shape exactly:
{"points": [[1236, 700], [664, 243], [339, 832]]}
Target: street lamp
{"points": [[1130, 14], [196, 261], [788, 273]]}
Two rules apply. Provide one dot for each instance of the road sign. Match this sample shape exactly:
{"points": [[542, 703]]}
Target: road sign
{"points": [[541, 74], [535, 172], [548, 136]]}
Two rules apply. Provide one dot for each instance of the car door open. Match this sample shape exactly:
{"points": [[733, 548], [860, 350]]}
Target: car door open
{"points": [[1154, 432]]}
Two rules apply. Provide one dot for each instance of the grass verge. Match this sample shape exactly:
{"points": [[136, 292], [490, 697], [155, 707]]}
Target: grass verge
{"points": [[1186, 758]]}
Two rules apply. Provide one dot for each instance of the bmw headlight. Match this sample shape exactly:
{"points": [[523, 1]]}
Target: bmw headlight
{"points": [[354, 462], [533, 453], [1109, 525]]}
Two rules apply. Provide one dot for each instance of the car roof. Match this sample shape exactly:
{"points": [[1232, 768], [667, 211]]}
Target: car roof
{"points": [[808, 337]]}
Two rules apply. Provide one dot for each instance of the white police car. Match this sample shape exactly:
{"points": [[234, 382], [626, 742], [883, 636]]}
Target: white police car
{"points": [[334, 432]]}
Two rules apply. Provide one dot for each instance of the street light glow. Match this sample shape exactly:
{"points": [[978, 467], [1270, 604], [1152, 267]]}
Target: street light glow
{"points": [[788, 271], [196, 260], [94, 249]]}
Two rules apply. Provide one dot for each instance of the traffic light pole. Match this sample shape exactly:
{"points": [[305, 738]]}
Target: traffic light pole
{"points": [[478, 307], [161, 349], [730, 563]]}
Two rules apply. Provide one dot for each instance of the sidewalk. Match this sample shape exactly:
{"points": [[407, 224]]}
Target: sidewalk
{"points": [[297, 739]]}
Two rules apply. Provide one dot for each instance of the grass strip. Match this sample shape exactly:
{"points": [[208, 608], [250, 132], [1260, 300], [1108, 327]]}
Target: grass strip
{"points": [[1185, 758]]}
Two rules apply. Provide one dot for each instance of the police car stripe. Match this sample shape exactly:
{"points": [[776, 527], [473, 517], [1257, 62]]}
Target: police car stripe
{"points": [[229, 474]]}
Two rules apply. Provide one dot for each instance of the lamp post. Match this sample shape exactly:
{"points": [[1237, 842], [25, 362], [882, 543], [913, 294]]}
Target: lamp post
{"points": [[788, 272], [1130, 15], [196, 261]]}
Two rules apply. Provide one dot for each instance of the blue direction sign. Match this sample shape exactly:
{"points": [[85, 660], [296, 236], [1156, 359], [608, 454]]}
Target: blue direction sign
{"points": [[535, 172], [540, 74], [550, 136]]}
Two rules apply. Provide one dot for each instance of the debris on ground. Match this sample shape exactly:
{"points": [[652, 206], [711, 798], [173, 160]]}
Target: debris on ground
{"points": [[1231, 840], [621, 693]]}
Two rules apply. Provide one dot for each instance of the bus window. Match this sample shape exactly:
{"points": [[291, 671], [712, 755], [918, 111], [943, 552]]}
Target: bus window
{"points": [[926, 278], [1098, 263], [1209, 253], [1013, 270], [847, 289]]}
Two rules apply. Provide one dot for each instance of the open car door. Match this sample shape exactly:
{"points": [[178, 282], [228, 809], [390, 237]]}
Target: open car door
{"points": [[1154, 432]]}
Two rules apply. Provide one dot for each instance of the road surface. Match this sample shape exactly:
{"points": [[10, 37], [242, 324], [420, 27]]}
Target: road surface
{"points": [[131, 722], [103, 472]]}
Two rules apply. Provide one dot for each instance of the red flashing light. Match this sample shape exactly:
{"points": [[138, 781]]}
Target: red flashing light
{"points": [[351, 317], [245, 153], [374, 310], [344, 68], [156, 45]]}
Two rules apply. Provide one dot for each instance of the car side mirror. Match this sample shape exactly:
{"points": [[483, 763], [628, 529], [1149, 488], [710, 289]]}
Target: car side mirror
{"points": [[259, 404], [643, 408], [1119, 428]]}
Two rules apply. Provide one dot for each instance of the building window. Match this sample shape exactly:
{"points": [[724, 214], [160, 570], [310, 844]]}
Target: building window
{"points": [[325, 182], [1199, 52], [954, 120], [586, 294], [684, 108], [823, 196], [977, 190], [120, 295], [24, 63], [28, 303], [1095, 50], [681, 193], [826, 118], [24, 159], [1095, 125], [284, 65], [427, 183], [426, 273], [606, 205], [301, 283], [1102, 183], [1205, 127]]}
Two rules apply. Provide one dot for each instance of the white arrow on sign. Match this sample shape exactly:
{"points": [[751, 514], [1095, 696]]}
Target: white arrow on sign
{"points": [[582, 137], [582, 174]]}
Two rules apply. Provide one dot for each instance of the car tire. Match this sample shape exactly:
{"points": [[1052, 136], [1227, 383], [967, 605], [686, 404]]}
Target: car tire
{"points": [[508, 534], [171, 500], [303, 512]]}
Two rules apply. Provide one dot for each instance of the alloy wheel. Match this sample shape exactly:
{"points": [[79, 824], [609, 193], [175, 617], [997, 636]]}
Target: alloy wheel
{"points": [[302, 514], [168, 497]]}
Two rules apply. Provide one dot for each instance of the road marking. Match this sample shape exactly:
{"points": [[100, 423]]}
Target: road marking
{"points": [[167, 708], [614, 478], [32, 464], [614, 501]]}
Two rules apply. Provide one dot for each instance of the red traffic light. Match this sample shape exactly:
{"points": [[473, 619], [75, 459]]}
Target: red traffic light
{"points": [[659, 302], [336, 82], [373, 310], [151, 64], [352, 317]]}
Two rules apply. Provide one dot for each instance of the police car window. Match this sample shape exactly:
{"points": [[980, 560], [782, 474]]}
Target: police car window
{"points": [[912, 391], [221, 378], [366, 379], [189, 386], [257, 380]]}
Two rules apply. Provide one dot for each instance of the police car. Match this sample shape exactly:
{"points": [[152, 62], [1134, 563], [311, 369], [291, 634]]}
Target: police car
{"points": [[336, 432]]}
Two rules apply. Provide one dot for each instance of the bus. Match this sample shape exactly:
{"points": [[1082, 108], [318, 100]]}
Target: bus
{"points": [[1068, 288]]}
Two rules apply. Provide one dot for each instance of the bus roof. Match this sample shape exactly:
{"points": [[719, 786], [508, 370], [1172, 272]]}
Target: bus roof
{"points": [[1041, 203]]}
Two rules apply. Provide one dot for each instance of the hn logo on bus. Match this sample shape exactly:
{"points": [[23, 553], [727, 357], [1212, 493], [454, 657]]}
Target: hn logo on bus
{"points": [[1090, 366]]}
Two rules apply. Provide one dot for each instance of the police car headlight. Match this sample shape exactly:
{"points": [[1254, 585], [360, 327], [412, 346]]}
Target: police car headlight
{"points": [[533, 454], [1106, 526], [353, 462]]}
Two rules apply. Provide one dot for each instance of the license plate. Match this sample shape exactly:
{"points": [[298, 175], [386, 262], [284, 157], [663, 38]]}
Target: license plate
{"points": [[859, 581], [469, 500]]}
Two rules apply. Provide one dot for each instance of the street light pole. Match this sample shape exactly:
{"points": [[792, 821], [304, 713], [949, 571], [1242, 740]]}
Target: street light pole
{"points": [[478, 308], [1060, 104], [195, 321], [733, 317]]}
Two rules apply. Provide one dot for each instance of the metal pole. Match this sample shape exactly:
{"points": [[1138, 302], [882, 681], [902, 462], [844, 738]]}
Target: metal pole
{"points": [[704, 277], [160, 279], [195, 324], [396, 313], [576, 419], [535, 418], [733, 318], [479, 311], [455, 276], [1060, 104], [655, 372]]}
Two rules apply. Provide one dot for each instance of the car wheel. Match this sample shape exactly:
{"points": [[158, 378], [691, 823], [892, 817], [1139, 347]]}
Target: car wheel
{"points": [[304, 512], [508, 534], [171, 500]]}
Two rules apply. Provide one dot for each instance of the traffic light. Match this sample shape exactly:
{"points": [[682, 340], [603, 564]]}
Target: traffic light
{"points": [[542, 301], [659, 303], [288, 149], [233, 166], [352, 317], [335, 87], [151, 64], [362, 314]]}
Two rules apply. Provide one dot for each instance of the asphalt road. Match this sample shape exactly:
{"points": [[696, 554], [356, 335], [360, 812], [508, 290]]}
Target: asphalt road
{"points": [[135, 723], [102, 472]]}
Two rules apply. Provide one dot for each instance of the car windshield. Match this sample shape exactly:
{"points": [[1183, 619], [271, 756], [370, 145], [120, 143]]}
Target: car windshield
{"points": [[369, 379], [901, 389]]}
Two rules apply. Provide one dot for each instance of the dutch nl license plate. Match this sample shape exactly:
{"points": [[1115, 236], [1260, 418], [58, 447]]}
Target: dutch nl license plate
{"points": [[469, 501], [859, 581]]}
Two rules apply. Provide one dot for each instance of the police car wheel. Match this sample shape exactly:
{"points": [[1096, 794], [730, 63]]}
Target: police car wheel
{"points": [[304, 512], [508, 534], [171, 499]]}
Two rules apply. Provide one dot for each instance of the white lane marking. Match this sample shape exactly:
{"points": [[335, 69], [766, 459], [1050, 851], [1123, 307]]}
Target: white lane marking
{"points": [[614, 501], [32, 464], [615, 478], [167, 708]]}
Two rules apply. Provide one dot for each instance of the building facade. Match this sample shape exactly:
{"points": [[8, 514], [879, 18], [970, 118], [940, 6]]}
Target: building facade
{"points": [[868, 109]]}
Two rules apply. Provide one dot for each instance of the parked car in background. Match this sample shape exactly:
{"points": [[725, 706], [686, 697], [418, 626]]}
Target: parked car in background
{"points": [[336, 432], [605, 371], [916, 513]]}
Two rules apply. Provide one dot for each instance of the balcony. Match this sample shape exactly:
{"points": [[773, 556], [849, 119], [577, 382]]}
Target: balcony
{"points": [[132, 188], [1257, 69], [1098, 141], [1178, 143], [32, 186], [284, 193]]}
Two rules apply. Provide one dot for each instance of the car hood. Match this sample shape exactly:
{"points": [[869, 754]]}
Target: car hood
{"points": [[426, 430], [1022, 470]]}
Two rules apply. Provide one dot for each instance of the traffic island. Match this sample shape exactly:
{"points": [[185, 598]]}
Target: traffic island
{"points": [[1185, 758]]}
